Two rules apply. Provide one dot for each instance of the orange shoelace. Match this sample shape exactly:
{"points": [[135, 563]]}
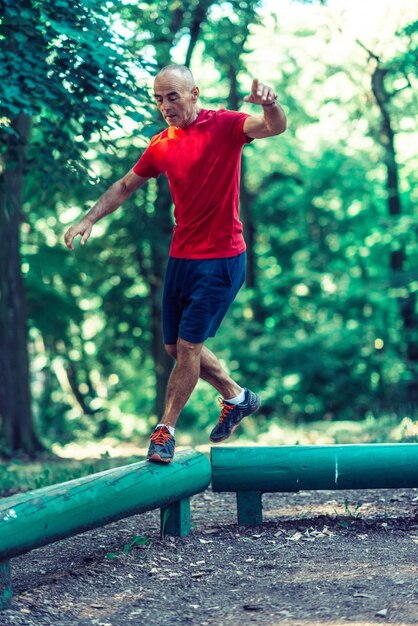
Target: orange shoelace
{"points": [[161, 436], [226, 408]]}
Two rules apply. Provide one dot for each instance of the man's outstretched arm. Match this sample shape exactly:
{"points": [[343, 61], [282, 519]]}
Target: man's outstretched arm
{"points": [[107, 203], [273, 121]]}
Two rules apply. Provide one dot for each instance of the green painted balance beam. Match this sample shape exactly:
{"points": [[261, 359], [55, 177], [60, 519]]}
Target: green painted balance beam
{"points": [[255, 470], [36, 518]]}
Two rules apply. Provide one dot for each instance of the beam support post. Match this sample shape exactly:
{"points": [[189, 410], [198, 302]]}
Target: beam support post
{"points": [[249, 508], [6, 590], [175, 518]]}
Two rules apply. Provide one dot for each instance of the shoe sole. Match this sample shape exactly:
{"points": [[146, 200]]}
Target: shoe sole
{"points": [[157, 459], [230, 434], [235, 427]]}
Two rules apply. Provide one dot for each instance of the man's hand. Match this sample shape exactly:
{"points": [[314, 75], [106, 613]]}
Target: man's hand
{"points": [[273, 120], [82, 228], [261, 94]]}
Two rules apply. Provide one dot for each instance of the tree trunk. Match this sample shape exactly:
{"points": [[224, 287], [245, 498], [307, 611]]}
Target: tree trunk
{"points": [[162, 224], [15, 399], [199, 16], [407, 305]]}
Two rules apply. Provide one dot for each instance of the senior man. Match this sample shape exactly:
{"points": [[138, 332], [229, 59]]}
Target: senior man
{"points": [[200, 153]]}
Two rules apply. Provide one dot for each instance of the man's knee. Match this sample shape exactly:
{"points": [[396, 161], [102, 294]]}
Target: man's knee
{"points": [[171, 349], [186, 349]]}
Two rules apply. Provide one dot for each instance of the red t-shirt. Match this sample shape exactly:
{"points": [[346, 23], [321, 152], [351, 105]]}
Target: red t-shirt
{"points": [[202, 163]]}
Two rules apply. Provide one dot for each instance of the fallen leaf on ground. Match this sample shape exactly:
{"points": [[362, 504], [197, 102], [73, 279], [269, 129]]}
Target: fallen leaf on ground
{"points": [[381, 613], [295, 537]]}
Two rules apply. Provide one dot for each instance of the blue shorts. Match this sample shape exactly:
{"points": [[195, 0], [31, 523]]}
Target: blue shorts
{"points": [[197, 295]]}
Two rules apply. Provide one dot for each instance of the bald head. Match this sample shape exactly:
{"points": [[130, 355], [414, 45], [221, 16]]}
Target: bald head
{"points": [[176, 95], [182, 72]]}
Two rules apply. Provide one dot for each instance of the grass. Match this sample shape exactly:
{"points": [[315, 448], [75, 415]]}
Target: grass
{"points": [[18, 476], [388, 429]]}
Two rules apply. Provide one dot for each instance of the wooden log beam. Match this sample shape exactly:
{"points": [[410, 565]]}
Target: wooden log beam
{"points": [[292, 468], [254, 470], [40, 517]]}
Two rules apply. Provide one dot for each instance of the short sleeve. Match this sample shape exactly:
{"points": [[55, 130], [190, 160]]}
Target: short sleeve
{"points": [[146, 166], [233, 122]]}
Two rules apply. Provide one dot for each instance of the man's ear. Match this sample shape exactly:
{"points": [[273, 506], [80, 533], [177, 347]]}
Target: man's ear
{"points": [[195, 93]]}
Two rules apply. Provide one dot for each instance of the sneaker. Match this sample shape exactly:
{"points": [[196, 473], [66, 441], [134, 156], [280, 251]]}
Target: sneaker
{"points": [[161, 448], [232, 414]]}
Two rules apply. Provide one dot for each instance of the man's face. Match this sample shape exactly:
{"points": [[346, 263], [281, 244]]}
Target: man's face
{"points": [[175, 98]]}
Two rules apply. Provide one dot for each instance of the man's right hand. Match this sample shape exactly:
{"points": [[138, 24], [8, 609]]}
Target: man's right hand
{"points": [[82, 228]]}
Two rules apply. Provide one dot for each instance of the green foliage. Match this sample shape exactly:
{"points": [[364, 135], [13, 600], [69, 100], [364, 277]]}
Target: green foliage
{"points": [[63, 64], [309, 330], [407, 61], [352, 513], [320, 333], [139, 541]]}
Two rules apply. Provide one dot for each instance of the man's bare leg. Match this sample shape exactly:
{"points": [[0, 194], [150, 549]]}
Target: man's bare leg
{"points": [[212, 372], [183, 379], [189, 366], [194, 361], [232, 413]]}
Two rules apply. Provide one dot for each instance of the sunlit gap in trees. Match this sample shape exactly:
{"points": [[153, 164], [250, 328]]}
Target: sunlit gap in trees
{"points": [[312, 36]]}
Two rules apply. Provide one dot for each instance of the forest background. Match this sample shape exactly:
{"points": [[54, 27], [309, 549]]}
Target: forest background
{"points": [[326, 328]]}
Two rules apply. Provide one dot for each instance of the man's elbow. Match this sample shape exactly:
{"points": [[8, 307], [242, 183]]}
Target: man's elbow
{"points": [[122, 189], [131, 182], [126, 186], [281, 126], [277, 129]]}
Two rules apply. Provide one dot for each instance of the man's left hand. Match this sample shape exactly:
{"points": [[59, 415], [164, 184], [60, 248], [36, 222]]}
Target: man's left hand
{"points": [[260, 94]]}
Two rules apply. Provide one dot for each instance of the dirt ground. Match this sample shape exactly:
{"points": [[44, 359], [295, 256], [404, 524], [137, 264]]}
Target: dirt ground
{"points": [[320, 558]]}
